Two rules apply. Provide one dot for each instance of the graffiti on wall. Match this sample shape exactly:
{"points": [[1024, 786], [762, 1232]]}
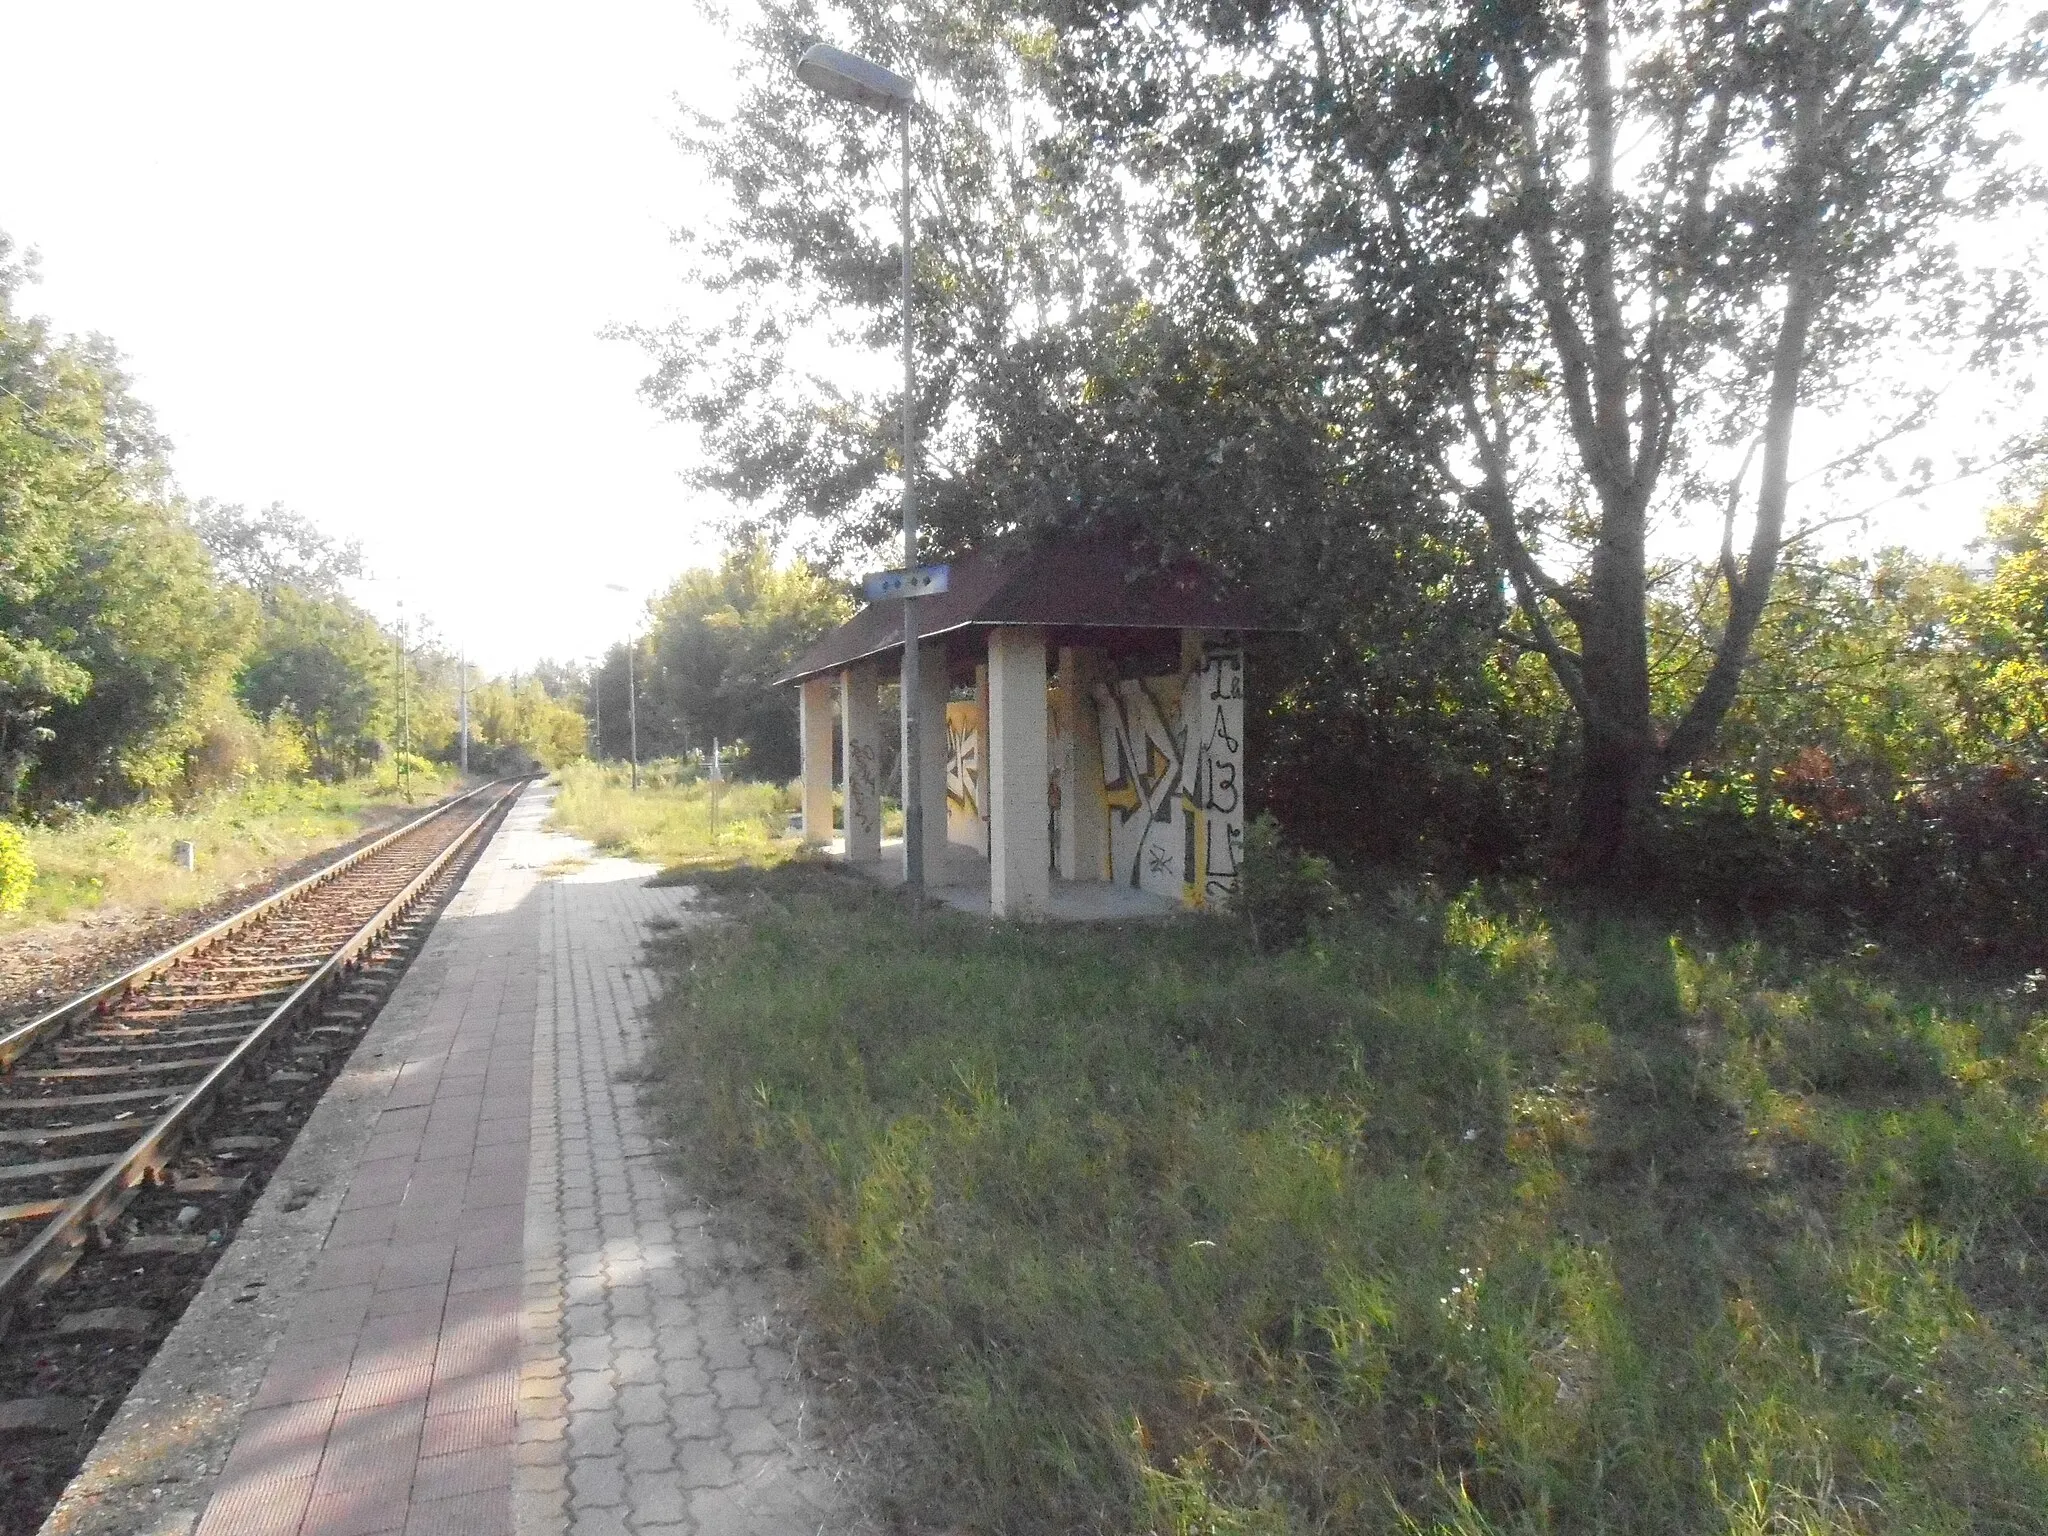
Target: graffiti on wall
{"points": [[1212, 777], [1142, 747], [863, 799], [964, 800], [1173, 778]]}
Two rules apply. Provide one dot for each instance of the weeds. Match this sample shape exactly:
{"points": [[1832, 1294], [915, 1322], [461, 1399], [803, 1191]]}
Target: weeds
{"points": [[124, 859], [1457, 1218], [676, 818]]}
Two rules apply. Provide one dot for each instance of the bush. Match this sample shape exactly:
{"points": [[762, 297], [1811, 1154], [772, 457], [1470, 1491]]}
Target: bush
{"points": [[1958, 862], [17, 869], [1282, 891]]}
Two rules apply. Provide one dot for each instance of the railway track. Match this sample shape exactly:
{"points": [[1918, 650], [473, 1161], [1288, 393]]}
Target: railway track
{"points": [[189, 1071]]}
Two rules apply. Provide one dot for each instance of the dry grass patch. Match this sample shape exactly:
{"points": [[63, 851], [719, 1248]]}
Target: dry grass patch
{"points": [[676, 819], [123, 861]]}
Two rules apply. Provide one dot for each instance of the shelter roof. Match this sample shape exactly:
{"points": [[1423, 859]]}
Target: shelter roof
{"points": [[1075, 582]]}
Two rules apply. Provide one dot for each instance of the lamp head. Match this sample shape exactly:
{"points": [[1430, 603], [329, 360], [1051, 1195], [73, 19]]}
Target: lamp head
{"points": [[848, 77]]}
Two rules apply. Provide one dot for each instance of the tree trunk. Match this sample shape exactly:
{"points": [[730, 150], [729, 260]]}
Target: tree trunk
{"points": [[1619, 772]]}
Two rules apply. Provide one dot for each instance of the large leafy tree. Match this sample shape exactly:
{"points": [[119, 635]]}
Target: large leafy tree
{"points": [[275, 548], [717, 641], [318, 659], [326, 664], [114, 637], [1063, 380], [1617, 249]]}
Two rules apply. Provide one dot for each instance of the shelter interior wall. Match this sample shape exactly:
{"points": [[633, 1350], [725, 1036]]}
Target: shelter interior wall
{"points": [[1169, 797]]}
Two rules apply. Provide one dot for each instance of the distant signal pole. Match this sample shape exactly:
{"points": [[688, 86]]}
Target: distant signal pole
{"points": [[633, 712], [632, 693], [404, 776]]}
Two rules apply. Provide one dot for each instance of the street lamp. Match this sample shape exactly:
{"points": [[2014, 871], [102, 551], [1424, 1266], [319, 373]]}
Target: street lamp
{"points": [[847, 77]]}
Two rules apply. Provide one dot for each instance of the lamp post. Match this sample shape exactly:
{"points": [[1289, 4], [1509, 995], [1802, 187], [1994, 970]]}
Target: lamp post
{"points": [[848, 77]]}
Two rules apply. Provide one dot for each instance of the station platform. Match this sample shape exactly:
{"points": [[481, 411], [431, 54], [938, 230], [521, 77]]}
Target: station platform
{"points": [[474, 1299], [963, 885]]}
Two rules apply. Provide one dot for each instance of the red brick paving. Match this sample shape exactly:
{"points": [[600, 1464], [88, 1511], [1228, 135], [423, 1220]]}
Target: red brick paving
{"points": [[388, 1408]]}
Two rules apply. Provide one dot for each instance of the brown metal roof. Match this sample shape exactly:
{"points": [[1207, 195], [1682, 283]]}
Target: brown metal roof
{"points": [[1077, 582]]}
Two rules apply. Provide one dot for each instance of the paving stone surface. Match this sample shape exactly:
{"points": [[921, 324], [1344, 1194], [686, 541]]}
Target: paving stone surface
{"points": [[516, 1320], [655, 1396]]}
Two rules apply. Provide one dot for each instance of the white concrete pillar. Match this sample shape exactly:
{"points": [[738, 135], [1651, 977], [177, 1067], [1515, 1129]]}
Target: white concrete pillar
{"points": [[931, 679], [1020, 853], [815, 735], [861, 773], [1082, 852], [1212, 774], [981, 702]]}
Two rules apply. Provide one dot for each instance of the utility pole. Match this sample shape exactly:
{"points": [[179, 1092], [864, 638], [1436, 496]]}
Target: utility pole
{"points": [[462, 692], [403, 775]]}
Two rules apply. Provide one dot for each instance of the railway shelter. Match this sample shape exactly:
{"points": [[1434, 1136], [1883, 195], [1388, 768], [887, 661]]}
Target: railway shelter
{"points": [[1092, 761]]}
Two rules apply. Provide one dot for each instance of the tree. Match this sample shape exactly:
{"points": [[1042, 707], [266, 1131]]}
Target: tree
{"points": [[522, 725], [1060, 385], [115, 641], [275, 548], [719, 639], [1618, 249], [2004, 622], [802, 265], [327, 664]]}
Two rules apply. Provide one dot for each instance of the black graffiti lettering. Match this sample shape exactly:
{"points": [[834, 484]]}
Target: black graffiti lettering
{"points": [[1223, 787], [1222, 872], [861, 801], [1221, 733], [1226, 676]]}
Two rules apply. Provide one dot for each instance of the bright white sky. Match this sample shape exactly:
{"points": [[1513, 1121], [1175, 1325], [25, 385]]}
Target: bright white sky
{"points": [[359, 257], [359, 260]]}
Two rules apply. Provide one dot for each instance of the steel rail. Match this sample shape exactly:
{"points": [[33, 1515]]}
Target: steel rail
{"points": [[19, 1040], [55, 1248]]}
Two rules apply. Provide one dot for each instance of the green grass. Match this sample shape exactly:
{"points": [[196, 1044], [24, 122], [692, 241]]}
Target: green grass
{"points": [[675, 820], [122, 860], [1453, 1220]]}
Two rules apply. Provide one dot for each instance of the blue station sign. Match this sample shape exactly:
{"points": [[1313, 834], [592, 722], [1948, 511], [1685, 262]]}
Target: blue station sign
{"points": [[894, 586]]}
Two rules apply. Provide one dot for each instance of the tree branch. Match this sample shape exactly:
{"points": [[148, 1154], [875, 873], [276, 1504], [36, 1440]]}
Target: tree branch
{"points": [[1528, 578], [1610, 335], [1749, 590], [1552, 288]]}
